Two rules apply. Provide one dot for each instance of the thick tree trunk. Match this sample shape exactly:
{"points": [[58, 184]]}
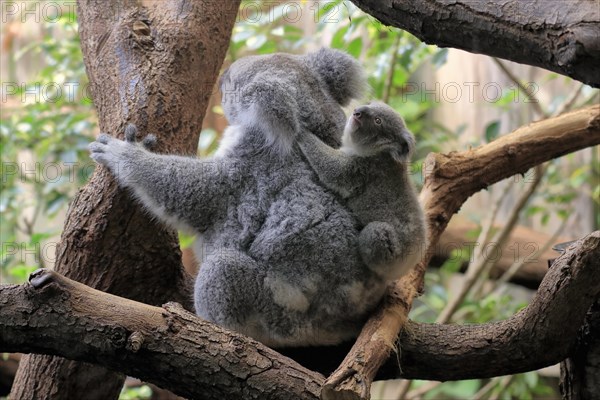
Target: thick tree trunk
{"points": [[561, 36], [153, 64], [580, 373]]}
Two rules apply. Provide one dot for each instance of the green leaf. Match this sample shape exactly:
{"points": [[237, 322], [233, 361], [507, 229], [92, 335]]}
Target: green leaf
{"points": [[492, 130], [545, 219], [21, 272], [533, 210], [185, 240], [531, 378], [355, 47], [36, 238], [338, 40]]}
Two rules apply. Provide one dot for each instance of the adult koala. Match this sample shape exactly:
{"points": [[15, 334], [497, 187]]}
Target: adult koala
{"points": [[279, 254]]}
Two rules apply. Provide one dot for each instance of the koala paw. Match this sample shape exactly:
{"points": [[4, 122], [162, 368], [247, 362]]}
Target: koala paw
{"points": [[118, 155], [377, 244], [109, 151]]}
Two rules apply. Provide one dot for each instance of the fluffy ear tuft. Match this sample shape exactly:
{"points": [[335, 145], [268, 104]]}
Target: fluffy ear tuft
{"points": [[343, 75], [405, 149], [270, 104]]}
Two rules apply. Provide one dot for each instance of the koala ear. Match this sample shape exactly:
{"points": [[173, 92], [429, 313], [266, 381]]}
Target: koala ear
{"points": [[404, 151], [343, 75], [223, 79], [270, 104]]}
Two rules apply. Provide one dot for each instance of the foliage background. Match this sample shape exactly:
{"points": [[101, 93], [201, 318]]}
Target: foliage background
{"points": [[47, 120]]}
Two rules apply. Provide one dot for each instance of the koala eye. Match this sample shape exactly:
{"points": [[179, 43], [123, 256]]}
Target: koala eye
{"points": [[378, 121]]}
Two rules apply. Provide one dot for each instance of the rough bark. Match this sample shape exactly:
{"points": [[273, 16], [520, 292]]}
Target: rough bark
{"points": [[580, 373], [561, 36], [540, 335], [167, 346], [567, 133], [152, 64], [522, 342], [454, 236], [176, 350], [450, 179]]}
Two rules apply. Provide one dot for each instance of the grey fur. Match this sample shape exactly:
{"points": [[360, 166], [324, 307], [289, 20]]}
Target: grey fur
{"points": [[278, 250], [269, 93], [371, 173]]}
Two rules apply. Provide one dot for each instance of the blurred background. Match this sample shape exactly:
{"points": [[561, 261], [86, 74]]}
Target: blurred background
{"points": [[450, 99]]}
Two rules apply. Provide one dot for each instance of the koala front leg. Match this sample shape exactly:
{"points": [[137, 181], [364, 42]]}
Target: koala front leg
{"points": [[335, 169], [182, 191]]}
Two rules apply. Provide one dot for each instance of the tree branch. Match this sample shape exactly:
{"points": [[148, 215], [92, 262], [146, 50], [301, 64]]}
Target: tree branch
{"points": [[559, 36], [540, 335], [217, 363], [450, 179], [176, 350], [167, 346], [481, 262]]}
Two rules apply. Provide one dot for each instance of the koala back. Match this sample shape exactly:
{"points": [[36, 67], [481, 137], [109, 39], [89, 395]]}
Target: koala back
{"points": [[284, 94], [284, 264]]}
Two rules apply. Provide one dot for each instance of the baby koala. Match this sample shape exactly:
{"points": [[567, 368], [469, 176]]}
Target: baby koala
{"points": [[370, 171]]}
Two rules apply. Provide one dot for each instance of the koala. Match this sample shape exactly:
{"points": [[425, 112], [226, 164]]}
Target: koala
{"points": [[278, 250], [370, 172]]}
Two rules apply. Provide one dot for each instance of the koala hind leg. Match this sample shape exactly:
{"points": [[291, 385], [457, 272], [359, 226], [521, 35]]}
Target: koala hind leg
{"points": [[381, 249], [386, 252], [228, 291], [378, 243]]}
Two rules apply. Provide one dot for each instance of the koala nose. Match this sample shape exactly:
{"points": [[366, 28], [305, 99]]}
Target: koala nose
{"points": [[360, 111]]}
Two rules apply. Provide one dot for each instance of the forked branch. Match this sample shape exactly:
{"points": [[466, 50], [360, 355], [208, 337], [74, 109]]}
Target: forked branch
{"points": [[178, 351], [450, 179]]}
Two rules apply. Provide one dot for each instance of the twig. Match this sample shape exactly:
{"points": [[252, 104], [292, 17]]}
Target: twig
{"points": [[403, 389], [501, 380], [504, 382], [510, 272], [480, 264], [449, 180], [390, 77], [486, 388], [533, 100], [420, 391], [570, 101], [484, 235]]}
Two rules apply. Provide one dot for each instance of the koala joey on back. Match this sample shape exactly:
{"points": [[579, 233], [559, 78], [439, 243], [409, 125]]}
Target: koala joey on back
{"points": [[370, 171], [278, 251]]}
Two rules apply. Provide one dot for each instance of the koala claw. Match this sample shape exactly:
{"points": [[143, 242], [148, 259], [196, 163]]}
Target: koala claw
{"points": [[109, 151], [103, 138], [99, 147], [130, 133], [149, 142]]}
